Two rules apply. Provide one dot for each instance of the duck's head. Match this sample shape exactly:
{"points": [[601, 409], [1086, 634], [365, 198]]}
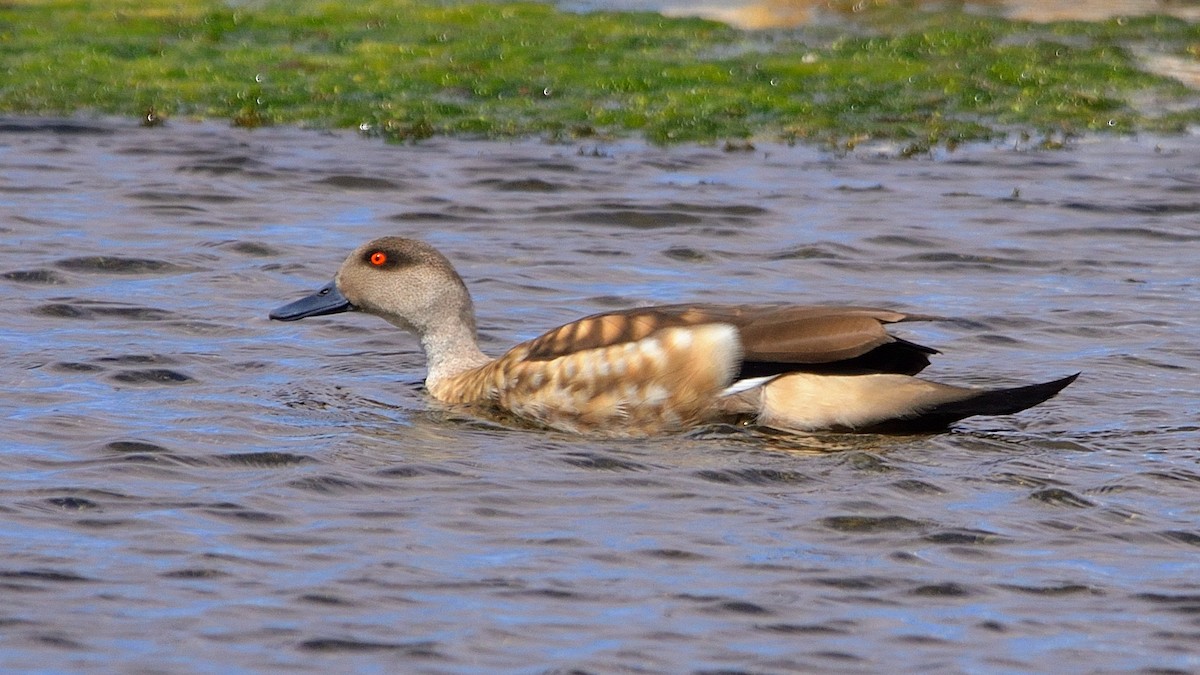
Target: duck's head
{"points": [[405, 281]]}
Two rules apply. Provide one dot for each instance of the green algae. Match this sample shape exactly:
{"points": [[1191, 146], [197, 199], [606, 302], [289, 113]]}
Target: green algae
{"points": [[411, 70]]}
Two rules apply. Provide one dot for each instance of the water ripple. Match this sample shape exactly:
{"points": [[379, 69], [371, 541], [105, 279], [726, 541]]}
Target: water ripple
{"points": [[186, 483]]}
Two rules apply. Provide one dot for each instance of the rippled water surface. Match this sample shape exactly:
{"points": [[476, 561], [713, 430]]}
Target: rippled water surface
{"points": [[186, 486]]}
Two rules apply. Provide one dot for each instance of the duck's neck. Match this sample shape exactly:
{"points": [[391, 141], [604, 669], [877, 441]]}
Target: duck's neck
{"points": [[451, 350]]}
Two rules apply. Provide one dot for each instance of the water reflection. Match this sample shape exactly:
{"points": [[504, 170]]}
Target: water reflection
{"points": [[186, 484]]}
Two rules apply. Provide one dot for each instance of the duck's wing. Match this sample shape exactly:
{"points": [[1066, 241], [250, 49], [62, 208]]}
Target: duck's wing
{"points": [[774, 338]]}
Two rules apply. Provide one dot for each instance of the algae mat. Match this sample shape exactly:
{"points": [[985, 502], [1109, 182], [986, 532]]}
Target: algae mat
{"points": [[410, 70]]}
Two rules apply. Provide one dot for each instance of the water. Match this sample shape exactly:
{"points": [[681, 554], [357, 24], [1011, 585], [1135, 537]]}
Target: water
{"points": [[189, 487]]}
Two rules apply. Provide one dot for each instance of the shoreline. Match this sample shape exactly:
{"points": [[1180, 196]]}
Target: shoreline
{"points": [[920, 79]]}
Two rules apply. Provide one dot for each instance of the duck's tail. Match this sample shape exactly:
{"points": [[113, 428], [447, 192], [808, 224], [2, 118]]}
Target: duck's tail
{"points": [[886, 403]]}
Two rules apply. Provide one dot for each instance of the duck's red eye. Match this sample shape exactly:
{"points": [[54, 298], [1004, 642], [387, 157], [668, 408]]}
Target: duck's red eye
{"points": [[378, 258]]}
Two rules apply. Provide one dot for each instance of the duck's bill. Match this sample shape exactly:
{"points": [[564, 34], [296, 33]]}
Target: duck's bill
{"points": [[328, 300]]}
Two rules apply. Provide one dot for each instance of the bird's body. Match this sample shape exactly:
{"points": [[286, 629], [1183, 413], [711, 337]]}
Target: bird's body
{"points": [[663, 369]]}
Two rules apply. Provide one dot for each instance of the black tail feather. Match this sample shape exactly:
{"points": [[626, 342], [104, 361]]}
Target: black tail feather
{"points": [[986, 402]]}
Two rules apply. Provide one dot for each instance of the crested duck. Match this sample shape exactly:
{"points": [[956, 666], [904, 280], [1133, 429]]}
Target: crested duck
{"points": [[662, 369]]}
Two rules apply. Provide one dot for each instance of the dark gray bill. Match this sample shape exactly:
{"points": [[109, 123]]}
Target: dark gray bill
{"points": [[328, 300]]}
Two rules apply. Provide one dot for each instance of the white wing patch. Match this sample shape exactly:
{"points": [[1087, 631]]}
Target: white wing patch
{"points": [[745, 385]]}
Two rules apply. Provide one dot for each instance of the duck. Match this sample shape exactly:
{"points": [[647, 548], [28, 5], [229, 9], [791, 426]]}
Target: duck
{"points": [[663, 369]]}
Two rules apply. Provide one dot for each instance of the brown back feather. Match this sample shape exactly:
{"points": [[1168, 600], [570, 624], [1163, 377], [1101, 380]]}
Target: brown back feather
{"points": [[775, 338]]}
